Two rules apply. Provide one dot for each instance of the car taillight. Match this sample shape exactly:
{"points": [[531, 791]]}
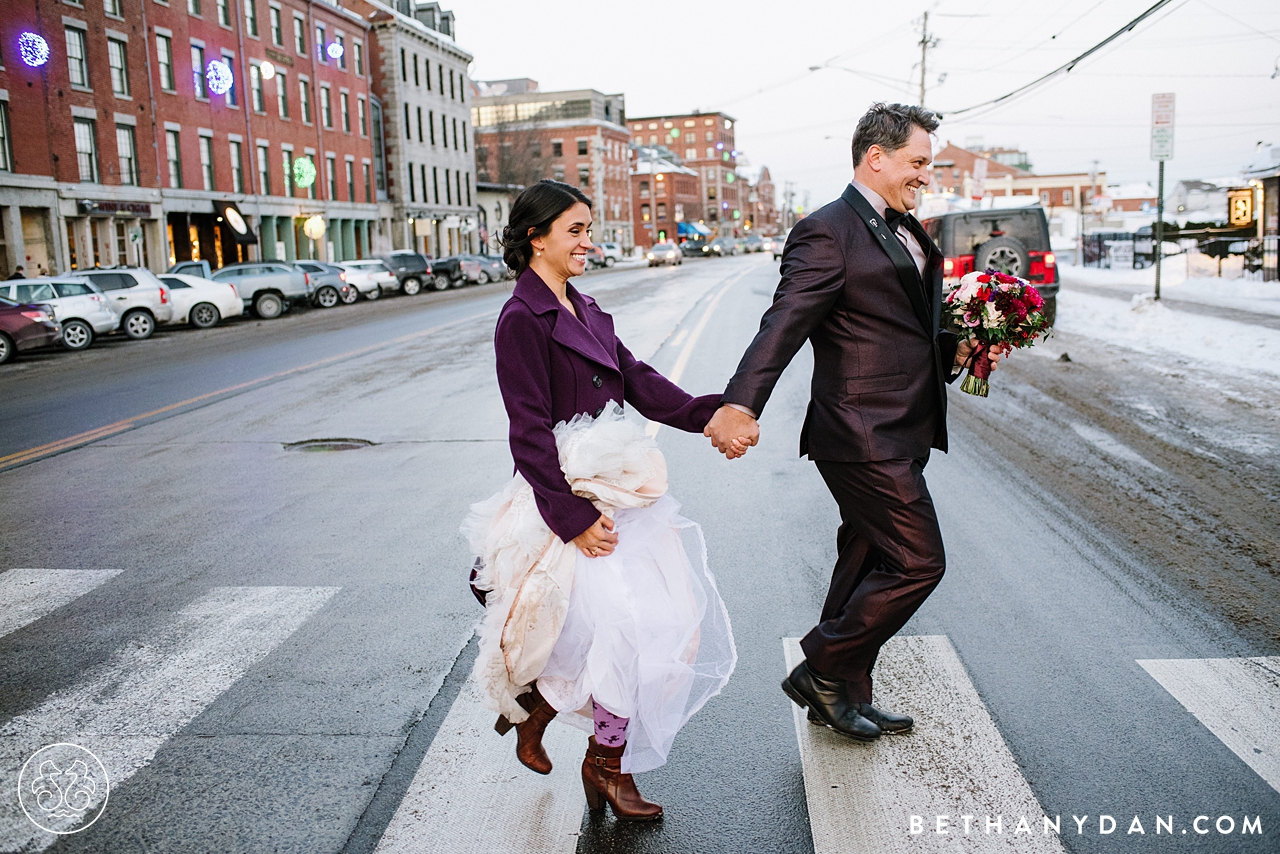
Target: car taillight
{"points": [[1049, 259], [164, 296], [342, 277], [306, 278], [948, 267], [38, 316], [234, 292]]}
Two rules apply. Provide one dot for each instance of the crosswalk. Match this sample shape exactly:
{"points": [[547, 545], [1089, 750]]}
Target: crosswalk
{"points": [[937, 789]]}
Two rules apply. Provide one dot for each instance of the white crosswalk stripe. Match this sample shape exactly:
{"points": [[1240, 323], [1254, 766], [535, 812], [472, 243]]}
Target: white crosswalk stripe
{"points": [[26, 595], [126, 708], [470, 794], [862, 797], [1238, 699]]}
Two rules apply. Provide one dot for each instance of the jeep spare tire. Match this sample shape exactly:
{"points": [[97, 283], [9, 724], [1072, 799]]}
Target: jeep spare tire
{"points": [[1006, 254]]}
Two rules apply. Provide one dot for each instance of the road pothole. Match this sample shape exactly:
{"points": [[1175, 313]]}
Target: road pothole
{"points": [[316, 445]]}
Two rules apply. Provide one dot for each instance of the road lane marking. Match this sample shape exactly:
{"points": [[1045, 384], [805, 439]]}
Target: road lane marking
{"points": [[125, 709], [26, 595], [1237, 699], [471, 796], [71, 442], [862, 796], [682, 361]]}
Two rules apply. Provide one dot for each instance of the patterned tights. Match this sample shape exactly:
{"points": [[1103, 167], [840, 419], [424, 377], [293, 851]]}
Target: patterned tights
{"points": [[611, 730]]}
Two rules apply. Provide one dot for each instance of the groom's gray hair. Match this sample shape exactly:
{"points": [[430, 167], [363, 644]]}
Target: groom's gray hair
{"points": [[889, 126]]}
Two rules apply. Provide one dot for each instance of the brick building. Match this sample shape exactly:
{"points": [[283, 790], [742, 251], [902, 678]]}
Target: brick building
{"points": [[420, 78], [761, 213], [666, 198], [954, 172], [153, 112], [579, 136], [704, 142]]}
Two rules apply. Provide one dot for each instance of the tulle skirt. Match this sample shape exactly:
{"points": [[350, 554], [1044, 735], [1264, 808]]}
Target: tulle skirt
{"points": [[647, 634]]}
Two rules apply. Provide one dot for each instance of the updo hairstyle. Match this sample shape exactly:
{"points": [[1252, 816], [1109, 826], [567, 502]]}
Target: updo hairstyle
{"points": [[532, 214]]}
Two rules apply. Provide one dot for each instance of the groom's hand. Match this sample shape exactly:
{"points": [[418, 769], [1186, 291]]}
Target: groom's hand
{"points": [[965, 351], [732, 431]]}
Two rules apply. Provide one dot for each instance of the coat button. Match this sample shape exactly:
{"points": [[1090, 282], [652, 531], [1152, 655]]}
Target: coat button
{"points": [[596, 381]]}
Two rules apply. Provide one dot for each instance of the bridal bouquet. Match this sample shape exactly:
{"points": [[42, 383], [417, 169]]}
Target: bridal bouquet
{"points": [[993, 308]]}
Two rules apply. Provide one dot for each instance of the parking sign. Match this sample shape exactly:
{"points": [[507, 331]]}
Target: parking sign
{"points": [[1162, 126]]}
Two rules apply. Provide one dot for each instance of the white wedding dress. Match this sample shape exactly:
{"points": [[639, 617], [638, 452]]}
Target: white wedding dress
{"points": [[645, 632]]}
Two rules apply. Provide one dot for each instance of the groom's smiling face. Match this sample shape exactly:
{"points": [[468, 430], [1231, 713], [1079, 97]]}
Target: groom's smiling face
{"points": [[901, 175]]}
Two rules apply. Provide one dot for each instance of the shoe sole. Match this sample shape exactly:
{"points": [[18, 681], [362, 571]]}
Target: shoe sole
{"points": [[816, 721], [799, 700]]}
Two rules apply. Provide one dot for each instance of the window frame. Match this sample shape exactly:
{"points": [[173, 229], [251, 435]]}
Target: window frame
{"points": [[235, 153], [208, 176], [167, 74], [119, 74], [91, 134], [173, 157], [128, 133], [81, 62]]}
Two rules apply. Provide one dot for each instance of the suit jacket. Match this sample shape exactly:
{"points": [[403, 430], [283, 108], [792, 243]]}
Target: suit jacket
{"points": [[881, 360], [553, 366]]}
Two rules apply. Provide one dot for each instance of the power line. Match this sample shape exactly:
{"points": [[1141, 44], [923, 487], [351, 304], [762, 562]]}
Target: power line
{"points": [[1022, 90]]}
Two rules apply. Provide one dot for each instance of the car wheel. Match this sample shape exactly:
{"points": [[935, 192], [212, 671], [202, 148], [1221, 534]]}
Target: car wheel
{"points": [[374, 294], [412, 285], [268, 306], [76, 335], [138, 325], [327, 297], [460, 282], [1005, 254], [6, 348], [1050, 309], [204, 315], [483, 279], [440, 282], [608, 261]]}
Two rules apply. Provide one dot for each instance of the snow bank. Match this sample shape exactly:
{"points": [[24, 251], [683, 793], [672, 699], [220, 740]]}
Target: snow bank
{"points": [[1260, 297]]}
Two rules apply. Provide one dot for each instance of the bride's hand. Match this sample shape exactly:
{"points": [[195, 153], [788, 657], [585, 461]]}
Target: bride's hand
{"points": [[598, 540]]}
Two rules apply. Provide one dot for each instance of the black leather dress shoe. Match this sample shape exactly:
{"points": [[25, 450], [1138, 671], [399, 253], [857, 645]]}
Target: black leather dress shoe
{"points": [[887, 721], [828, 700]]}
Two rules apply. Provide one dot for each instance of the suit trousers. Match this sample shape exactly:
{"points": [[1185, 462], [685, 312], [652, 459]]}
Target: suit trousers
{"points": [[890, 559]]}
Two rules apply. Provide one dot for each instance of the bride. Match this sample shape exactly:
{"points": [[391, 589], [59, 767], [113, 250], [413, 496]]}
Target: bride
{"points": [[595, 611]]}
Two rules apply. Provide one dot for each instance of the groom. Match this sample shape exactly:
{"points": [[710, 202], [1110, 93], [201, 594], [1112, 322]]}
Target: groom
{"points": [[862, 282]]}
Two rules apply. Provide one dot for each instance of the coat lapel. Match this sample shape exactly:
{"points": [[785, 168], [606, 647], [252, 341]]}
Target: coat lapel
{"points": [[577, 335], [908, 274]]}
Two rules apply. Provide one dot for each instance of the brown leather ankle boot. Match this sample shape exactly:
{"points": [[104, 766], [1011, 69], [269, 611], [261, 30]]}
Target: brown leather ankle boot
{"points": [[529, 732], [603, 780]]}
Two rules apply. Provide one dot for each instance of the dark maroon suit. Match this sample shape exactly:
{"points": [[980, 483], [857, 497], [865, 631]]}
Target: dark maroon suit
{"points": [[553, 366], [878, 405]]}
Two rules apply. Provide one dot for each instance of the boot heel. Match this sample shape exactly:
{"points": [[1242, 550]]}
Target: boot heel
{"points": [[793, 694], [503, 726], [595, 800]]}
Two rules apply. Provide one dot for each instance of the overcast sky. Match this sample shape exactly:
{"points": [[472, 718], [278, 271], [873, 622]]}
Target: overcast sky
{"points": [[751, 59]]}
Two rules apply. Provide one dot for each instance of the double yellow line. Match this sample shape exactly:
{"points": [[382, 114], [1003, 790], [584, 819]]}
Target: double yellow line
{"points": [[85, 438]]}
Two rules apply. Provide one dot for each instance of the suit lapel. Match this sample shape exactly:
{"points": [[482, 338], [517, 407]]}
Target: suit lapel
{"points": [[903, 263], [566, 330], [933, 266]]}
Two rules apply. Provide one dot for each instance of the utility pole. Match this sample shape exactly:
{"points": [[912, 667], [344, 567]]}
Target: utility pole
{"points": [[926, 41]]}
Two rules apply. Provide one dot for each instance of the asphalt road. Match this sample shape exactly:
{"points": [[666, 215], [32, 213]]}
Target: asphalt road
{"points": [[1097, 513]]}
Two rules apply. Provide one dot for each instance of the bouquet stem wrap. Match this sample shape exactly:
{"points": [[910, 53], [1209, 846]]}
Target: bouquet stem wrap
{"points": [[979, 371]]}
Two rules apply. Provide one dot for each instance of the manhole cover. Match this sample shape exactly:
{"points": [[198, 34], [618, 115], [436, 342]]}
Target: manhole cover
{"points": [[328, 445]]}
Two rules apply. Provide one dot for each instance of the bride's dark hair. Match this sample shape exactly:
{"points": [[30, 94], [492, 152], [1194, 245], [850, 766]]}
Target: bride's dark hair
{"points": [[532, 213]]}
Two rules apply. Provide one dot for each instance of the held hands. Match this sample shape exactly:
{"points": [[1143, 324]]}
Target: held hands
{"points": [[598, 540], [965, 352], [732, 431]]}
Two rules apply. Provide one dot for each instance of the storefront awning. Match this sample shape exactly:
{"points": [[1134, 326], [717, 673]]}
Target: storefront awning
{"points": [[234, 221], [692, 228]]}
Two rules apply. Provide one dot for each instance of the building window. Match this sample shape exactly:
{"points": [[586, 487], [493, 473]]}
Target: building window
{"points": [[1066, 197], [711, 136], [197, 71], [112, 8], [662, 211], [341, 42], [224, 12], [320, 40], [413, 194], [119, 61], [351, 181], [419, 124], [1044, 197], [237, 169], [206, 162], [193, 7], [431, 125], [251, 17], [582, 147], [426, 65], [127, 151], [331, 172], [277, 27], [711, 152], [404, 67], [164, 58], [408, 128], [282, 96], [264, 170], [435, 184], [311, 188], [584, 176], [448, 189], [87, 150], [357, 52], [231, 92], [690, 154], [711, 192], [451, 94], [417, 81], [424, 183], [76, 63], [174, 150], [299, 35], [468, 185], [286, 159], [304, 92], [255, 86], [557, 149], [644, 213], [535, 148], [368, 185], [6, 146], [344, 104], [326, 107], [360, 116], [455, 134], [440, 68]]}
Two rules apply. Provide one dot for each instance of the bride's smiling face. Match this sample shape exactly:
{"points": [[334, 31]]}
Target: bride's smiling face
{"points": [[564, 248]]}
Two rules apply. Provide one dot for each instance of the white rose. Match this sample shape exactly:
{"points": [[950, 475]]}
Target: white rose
{"points": [[993, 317]]}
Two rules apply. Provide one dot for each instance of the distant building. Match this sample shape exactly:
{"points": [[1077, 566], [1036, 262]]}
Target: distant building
{"points": [[666, 198], [704, 142], [1200, 197], [493, 204], [1131, 197], [579, 136], [763, 216]]}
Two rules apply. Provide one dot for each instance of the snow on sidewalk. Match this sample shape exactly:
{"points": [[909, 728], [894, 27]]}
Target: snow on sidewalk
{"points": [[1179, 338], [1240, 294]]}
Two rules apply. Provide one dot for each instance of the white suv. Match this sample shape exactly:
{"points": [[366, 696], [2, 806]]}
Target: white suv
{"points": [[136, 296], [78, 305], [612, 253]]}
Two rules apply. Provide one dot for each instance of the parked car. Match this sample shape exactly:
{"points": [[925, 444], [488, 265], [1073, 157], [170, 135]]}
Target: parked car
{"points": [[24, 326], [1011, 240], [768, 244], [370, 277], [595, 258], [412, 269], [664, 253], [80, 308], [137, 297], [202, 302], [452, 271], [612, 252], [693, 247], [328, 283], [489, 268], [780, 243], [268, 287], [721, 247], [192, 268], [753, 243]]}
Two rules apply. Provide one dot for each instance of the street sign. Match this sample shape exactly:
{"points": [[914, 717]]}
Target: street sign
{"points": [[1240, 206], [1162, 126]]}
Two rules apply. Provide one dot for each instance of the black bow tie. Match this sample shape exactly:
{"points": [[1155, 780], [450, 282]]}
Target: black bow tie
{"points": [[894, 218]]}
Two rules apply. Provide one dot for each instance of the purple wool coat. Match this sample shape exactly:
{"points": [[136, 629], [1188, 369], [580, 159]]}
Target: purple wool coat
{"points": [[553, 366]]}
